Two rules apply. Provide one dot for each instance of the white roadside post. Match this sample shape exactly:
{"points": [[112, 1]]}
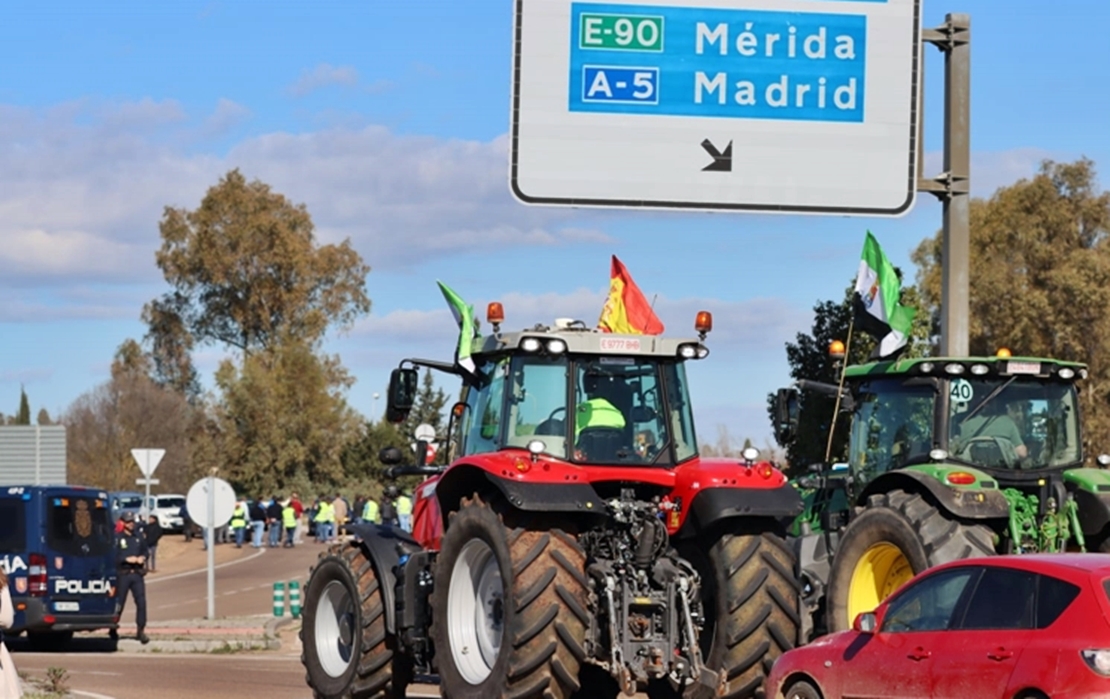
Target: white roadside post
{"points": [[148, 460], [215, 498]]}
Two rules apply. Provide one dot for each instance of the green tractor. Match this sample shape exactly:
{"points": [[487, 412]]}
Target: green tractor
{"points": [[947, 459]]}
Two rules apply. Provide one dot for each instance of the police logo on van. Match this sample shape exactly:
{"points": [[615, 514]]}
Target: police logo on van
{"points": [[12, 564], [82, 587]]}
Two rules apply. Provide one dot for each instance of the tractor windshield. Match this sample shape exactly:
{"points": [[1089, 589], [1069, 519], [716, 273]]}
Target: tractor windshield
{"points": [[892, 426], [1013, 423], [620, 415], [591, 409]]}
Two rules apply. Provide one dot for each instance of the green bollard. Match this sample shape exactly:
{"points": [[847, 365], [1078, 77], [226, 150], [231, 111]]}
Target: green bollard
{"points": [[295, 598], [279, 598]]}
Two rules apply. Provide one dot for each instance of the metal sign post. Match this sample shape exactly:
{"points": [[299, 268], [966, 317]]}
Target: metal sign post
{"points": [[148, 460], [213, 499], [953, 186]]}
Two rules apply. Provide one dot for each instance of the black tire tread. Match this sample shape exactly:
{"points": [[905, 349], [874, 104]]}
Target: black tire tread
{"points": [[382, 673], [944, 539], [547, 632], [761, 595]]}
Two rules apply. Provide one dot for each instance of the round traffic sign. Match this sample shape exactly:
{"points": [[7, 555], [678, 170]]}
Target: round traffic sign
{"points": [[424, 433], [197, 502]]}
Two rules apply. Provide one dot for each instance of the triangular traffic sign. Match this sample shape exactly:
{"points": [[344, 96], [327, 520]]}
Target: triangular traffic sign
{"points": [[148, 459]]}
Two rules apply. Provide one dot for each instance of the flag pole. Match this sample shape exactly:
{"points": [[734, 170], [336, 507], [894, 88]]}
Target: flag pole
{"points": [[840, 388]]}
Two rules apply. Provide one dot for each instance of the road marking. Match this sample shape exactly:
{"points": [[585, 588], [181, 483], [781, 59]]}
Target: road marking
{"points": [[204, 569], [90, 695]]}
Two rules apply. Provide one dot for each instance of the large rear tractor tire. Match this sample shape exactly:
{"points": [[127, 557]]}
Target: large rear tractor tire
{"points": [[750, 593], [509, 608], [347, 650], [899, 535]]}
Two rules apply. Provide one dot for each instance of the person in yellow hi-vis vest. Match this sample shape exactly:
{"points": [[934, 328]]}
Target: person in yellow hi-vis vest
{"points": [[289, 522], [371, 512], [404, 512], [239, 523], [325, 519], [598, 411]]}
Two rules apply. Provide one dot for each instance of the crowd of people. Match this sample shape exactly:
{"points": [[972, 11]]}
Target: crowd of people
{"points": [[279, 522]]}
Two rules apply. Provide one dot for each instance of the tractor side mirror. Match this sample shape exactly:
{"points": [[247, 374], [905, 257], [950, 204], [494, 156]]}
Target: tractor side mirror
{"points": [[786, 415], [402, 394]]}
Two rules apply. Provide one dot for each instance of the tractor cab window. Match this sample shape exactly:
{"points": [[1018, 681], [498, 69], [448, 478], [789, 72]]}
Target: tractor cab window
{"points": [[681, 415], [892, 426], [619, 415], [538, 403], [481, 423], [1013, 422]]}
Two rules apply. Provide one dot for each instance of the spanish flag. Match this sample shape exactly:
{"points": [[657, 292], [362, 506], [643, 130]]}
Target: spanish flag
{"points": [[626, 310]]}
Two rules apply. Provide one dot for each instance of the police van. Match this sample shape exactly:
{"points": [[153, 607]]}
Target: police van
{"points": [[57, 547]]}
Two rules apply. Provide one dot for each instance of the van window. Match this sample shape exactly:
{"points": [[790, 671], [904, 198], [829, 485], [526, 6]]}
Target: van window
{"points": [[13, 531], [78, 526]]}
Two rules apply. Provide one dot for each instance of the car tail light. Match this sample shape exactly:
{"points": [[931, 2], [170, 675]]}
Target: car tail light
{"points": [[1097, 660], [36, 574]]}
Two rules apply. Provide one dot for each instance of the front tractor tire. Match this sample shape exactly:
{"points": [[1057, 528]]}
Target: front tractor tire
{"points": [[896, 537], [509, 608], [347, 650], [750, 596]]}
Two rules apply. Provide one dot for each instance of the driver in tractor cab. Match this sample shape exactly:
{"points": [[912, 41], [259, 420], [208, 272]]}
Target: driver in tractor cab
{"points": [[991, 422], [600, 418]]}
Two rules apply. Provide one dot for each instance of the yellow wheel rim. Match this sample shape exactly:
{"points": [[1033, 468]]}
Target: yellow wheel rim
{"points": [[881, 570]]}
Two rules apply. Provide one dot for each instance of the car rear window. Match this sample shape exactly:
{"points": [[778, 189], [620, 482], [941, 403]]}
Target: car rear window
{"points": [[78, 526], [1053, 597], [13, 530], [1003, 599], [133, 501]]}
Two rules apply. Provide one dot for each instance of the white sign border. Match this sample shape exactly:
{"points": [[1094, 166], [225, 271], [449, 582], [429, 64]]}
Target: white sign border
{"points": [[914, 145]]}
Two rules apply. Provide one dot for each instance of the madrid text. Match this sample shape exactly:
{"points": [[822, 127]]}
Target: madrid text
{"points": [[783, 90]]}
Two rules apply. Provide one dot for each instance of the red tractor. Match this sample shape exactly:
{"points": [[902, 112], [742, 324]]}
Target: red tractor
{"points": [[576, 544]]}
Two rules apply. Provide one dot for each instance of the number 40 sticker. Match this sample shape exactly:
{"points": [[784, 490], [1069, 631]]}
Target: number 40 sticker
{"points": [[620, 85], [961, 391]]}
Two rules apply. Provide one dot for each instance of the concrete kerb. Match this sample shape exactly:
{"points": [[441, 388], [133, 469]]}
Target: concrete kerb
{"points": [[229, 635]]}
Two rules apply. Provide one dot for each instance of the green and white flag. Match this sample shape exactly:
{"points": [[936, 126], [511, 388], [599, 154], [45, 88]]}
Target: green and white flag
{"points": [[878, 290], [468, 328]]}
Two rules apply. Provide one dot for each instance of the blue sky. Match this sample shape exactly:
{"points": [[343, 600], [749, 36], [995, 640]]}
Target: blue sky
{"points": [[388, 119]]}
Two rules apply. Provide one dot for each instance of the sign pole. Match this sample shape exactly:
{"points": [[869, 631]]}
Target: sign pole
{"points": [[210, 539], [146, 473], [953, 186]]}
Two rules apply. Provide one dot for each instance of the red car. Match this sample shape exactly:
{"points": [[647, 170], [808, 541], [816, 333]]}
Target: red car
{"points": [[1022, 627]]}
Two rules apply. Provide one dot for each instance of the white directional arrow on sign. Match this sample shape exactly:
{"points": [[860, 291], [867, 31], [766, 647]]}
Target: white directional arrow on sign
{"points": [[148, 459]]}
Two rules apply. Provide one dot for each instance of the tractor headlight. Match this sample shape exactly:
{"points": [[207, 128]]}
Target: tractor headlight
{"points": [[530, 344], [556, 346]]}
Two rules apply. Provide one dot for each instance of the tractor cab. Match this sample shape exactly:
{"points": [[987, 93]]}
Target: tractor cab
{"points": [[577, 394], [1014, 419]]}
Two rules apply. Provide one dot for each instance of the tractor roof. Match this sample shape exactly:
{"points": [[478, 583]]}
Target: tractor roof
{"points": [[997, 366], [579, 339]]}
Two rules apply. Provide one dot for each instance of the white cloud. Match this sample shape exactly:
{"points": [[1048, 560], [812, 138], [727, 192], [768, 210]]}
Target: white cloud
{"points": [[227, 115], [81, 194], [321, 76], [749, 326]]}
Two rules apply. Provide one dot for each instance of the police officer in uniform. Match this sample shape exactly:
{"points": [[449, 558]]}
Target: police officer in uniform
{"points": [[131, 556]]}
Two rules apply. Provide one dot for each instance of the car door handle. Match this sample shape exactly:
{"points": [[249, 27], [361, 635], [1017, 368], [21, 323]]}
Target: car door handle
{"points": [[1000, 653], [919, 653]]}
